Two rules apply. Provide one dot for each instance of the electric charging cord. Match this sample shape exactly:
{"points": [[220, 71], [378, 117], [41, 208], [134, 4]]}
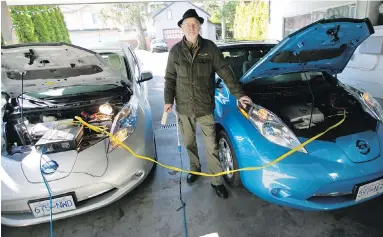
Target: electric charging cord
{"points": [[43, 150]]}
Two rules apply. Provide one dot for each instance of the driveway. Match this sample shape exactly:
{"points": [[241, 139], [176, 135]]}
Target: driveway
{"points": [[151, 210]]}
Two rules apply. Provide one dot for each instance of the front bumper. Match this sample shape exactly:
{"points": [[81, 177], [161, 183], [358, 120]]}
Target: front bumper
{"points": [[160, 49], [124, 173], [87, 205]]}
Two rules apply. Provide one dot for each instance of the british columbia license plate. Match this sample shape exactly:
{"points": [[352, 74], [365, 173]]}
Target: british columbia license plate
{"points": [[59, 204], [369, 190]]}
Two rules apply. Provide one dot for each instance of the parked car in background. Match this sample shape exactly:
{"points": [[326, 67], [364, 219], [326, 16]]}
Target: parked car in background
{"points": [[158, 45], [297, 96], [44, 86]]}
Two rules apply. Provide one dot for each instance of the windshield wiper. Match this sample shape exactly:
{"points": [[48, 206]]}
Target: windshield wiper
{"points": [[37, 101]]}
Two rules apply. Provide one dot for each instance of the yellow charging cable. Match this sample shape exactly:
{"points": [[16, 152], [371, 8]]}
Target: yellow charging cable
{"points": [[282, 157]]}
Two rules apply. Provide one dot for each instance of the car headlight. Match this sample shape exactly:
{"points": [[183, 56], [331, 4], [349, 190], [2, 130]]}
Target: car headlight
{"points": [[372, 104], [124, 123], [271, 127]]}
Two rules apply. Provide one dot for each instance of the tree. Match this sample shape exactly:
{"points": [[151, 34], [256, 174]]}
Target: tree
{"points": [[23, 24], [58, 36], [130, 13], [62, 26], [48, 22], [251, 21], [221, 13], [40, 26]]}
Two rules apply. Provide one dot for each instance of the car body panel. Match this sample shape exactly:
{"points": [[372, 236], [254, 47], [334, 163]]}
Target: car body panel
{"points": [[59, 56], [96, 178], [330, 50], [323, 179]]}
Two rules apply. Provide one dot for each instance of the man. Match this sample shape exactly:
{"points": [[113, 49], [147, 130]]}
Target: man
{"points": [[190, 81]]}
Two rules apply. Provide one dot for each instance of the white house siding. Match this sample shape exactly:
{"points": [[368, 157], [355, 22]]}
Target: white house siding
{"points": [[177, 9]]}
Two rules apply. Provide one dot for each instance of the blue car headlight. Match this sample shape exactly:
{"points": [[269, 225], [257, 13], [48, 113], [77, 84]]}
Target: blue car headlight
{"points": [[373, 105], [124, 123], [272, 127], [369, 103]]}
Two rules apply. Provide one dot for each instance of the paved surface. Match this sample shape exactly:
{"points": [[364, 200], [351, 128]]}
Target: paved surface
{"points": [[150, 210]]}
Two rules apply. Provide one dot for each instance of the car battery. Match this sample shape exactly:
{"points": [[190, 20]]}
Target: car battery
{"points": [[61, 140]]}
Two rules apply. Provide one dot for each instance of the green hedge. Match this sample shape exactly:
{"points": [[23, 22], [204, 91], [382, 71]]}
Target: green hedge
{"points": [[39, 24], [251, 20]]}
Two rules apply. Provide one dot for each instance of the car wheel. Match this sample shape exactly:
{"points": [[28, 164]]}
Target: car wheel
{"points": [[155, 156], [228, 159]]}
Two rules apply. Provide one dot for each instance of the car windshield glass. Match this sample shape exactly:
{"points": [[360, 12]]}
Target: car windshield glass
{"points": [[71, 90], [116, 61], [243, 58]]}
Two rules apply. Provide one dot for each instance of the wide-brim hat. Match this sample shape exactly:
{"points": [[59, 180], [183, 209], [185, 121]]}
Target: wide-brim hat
{"points": [[191, 13]]}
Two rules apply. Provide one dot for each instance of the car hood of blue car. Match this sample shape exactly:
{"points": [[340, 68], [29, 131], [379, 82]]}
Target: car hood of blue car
{"points": [[325, 45]]}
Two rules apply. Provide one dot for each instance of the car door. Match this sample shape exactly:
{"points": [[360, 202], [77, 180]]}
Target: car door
{"points": [[139, 89]]}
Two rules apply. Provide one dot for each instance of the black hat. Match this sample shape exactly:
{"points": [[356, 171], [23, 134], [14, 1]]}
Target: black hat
{"points": [[190, 13]]}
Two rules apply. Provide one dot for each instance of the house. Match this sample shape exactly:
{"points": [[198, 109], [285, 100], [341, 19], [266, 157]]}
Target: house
{"points": [[165, 22], [365, 69], [86, 27]]}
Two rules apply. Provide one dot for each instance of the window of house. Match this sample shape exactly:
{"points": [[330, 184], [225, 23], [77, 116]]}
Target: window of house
{"points": [[173, 34], [94, 18], [170, 17]]}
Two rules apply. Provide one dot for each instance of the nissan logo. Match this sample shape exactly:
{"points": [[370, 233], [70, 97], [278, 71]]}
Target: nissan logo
{"points": [[49, 167], [363, 147]]}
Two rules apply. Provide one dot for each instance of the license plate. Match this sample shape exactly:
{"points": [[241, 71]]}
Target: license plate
{"points": [[59, 204], [369, 190]]}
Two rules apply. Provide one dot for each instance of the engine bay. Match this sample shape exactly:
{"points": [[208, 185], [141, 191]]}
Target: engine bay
{"points": [[309, 109], [57, 130]]}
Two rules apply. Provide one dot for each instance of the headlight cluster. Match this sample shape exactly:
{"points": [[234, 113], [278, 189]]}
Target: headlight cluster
{"points": [[124, 123], [373, 105], [271, 127]]}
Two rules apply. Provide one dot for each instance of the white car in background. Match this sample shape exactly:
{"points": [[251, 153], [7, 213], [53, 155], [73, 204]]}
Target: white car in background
{"points": [[44, 86], [365, 69], [158, 45]]}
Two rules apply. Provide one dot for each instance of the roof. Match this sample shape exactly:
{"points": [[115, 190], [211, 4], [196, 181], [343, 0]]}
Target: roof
{"points": [[163, 9]]}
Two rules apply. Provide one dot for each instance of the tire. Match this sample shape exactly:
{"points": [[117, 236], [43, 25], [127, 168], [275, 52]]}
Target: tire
{"points": [[152, 171], [224, 143]]}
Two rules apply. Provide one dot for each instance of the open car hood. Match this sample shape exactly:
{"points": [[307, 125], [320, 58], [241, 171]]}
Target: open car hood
{"points": [[325, 45], [50, 65]]}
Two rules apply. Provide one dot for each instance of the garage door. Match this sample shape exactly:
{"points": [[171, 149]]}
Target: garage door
{"points": [[172, 36]]}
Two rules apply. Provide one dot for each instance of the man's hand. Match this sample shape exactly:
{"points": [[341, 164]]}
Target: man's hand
{"points": [[245, 100], [168, 108]]}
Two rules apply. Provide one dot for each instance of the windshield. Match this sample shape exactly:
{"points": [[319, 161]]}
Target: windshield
{"points": [[70, 90], [116, 61], [241, 59]]}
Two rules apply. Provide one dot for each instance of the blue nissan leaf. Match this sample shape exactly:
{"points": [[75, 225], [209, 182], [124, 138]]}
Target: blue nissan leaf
{"points": [[296, 96]]}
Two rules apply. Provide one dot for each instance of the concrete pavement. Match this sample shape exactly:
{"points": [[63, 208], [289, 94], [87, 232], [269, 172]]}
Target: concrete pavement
{"points": [[151, 210]]}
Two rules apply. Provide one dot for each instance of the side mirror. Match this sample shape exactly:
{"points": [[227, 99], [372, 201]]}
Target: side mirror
{"points": [[146, 76]]}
